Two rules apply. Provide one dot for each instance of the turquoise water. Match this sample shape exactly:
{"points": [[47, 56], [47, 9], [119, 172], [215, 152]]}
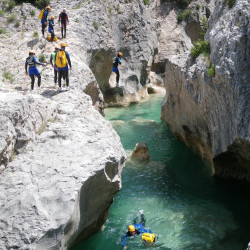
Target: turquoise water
{"points": [[183, 204]]}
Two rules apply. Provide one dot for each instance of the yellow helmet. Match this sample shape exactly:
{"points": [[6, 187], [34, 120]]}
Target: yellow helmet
{"points": [[32, 52], [131, 228], [57, 47], [63, 44], [52, 17], [48, 7], [120, 54]]}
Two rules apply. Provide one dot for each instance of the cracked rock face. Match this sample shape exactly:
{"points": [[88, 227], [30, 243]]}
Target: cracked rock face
{"points": [[209, 113], [64, 182]]}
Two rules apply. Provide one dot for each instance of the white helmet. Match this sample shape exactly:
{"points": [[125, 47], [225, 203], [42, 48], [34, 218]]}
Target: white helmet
{"points": [[64, 9]]}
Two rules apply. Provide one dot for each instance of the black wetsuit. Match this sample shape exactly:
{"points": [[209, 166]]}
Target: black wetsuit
{"points": [[63, 18]]}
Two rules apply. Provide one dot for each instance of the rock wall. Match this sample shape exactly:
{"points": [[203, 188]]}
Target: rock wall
{"points": [[60, 160], [209, 113], [64, 182]]}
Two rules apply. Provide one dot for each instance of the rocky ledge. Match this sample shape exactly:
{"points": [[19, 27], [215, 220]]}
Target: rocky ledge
{"points": [[59, 188]]}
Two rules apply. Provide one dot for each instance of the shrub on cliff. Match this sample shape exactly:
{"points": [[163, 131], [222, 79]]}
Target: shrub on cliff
{"points": [[200, 47], [184, 15], [41, 4], [211, 71]]}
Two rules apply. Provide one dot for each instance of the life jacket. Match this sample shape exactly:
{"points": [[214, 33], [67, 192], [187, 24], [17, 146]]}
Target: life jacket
{"points": [[61, 59], [115, 61], [63, 17], [31, 61], [148, 238], [51, 24], [41, 14]]}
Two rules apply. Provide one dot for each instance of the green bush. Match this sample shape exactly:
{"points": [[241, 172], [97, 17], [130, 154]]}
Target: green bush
{"points": [[3, 31], [203, 26], [128, 1], [42, 58], [230, 3], [96, 25], [32, 12], [184, 15], [17, 24], [7, 75], [146, 2], [11, 5], [11, 18], [1, 12], [200, 47], [41, 4], [197, 6], [35, 34], [211, 71], [110, 10]]}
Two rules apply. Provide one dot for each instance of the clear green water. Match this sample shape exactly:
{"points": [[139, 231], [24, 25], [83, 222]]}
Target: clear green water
{"points": [[183, 205]]}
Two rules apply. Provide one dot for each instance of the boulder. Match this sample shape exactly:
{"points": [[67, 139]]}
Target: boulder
{"points": [[140, 152]]}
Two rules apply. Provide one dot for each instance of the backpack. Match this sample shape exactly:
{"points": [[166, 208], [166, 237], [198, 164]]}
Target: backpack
{"points": [[41, 14], [61, 59], [148, 238]]}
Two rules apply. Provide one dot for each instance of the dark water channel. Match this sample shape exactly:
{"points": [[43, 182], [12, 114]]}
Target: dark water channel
{"points": [[183, 204]]}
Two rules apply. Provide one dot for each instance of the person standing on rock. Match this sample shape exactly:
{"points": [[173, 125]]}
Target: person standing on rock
{"points": [[52, 61], [51, 28], [62, 60], [44, 18], [63, 20], [136, 229], [33, 70], [116, 62]]}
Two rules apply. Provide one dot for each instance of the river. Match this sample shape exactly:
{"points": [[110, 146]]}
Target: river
{"points": [[182, 203]]}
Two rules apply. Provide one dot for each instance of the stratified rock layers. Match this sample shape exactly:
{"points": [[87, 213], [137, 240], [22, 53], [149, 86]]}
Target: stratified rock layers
{"points": [[64, 182]]}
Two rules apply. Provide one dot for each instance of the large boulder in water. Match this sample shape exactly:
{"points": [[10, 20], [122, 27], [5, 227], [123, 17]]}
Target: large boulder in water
{"points": [[141, 151]]}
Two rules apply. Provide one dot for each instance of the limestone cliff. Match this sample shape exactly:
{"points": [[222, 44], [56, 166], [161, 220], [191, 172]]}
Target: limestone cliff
{"points": [[60, 161], [209, 113]]}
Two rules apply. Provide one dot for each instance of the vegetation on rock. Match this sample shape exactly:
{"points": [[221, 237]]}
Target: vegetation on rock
{"points": [[200, 47], [184, 15]]}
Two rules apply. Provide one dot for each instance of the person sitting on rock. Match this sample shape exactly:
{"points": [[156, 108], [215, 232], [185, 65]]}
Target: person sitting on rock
{"points": [[51, 28], [116, 61], [44, 18], [33, 70], [62, 60], [63, 20], [136, 228]]}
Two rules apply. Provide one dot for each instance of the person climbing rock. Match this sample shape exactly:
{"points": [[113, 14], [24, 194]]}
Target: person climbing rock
{"points": [[52, 61], [63, 20], [51, 28], [116, 62], [44, 16], [136, 228], [33, 70], [62, 60]]}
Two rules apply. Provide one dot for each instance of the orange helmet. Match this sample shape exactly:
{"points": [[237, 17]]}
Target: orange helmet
{"points": [[120, 54], [131, 228], [52, 17], [48, 7], [63, 44]]}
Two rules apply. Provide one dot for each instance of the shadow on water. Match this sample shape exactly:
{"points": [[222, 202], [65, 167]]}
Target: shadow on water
{"points": [[183, 204]]}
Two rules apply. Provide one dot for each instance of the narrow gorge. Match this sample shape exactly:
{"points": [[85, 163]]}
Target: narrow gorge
{"points": [[62, 161]]}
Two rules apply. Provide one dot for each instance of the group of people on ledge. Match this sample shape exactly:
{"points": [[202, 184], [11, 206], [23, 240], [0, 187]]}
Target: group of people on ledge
{"points": [[59, 59], [63, 21]]}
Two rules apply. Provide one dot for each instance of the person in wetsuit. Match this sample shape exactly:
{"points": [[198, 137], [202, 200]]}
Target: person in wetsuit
{"points": [[44, 19], [33, 70], [63, 71], [51, 28], [52, 61], [116, 62], [136, 228], [63, 19]]}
